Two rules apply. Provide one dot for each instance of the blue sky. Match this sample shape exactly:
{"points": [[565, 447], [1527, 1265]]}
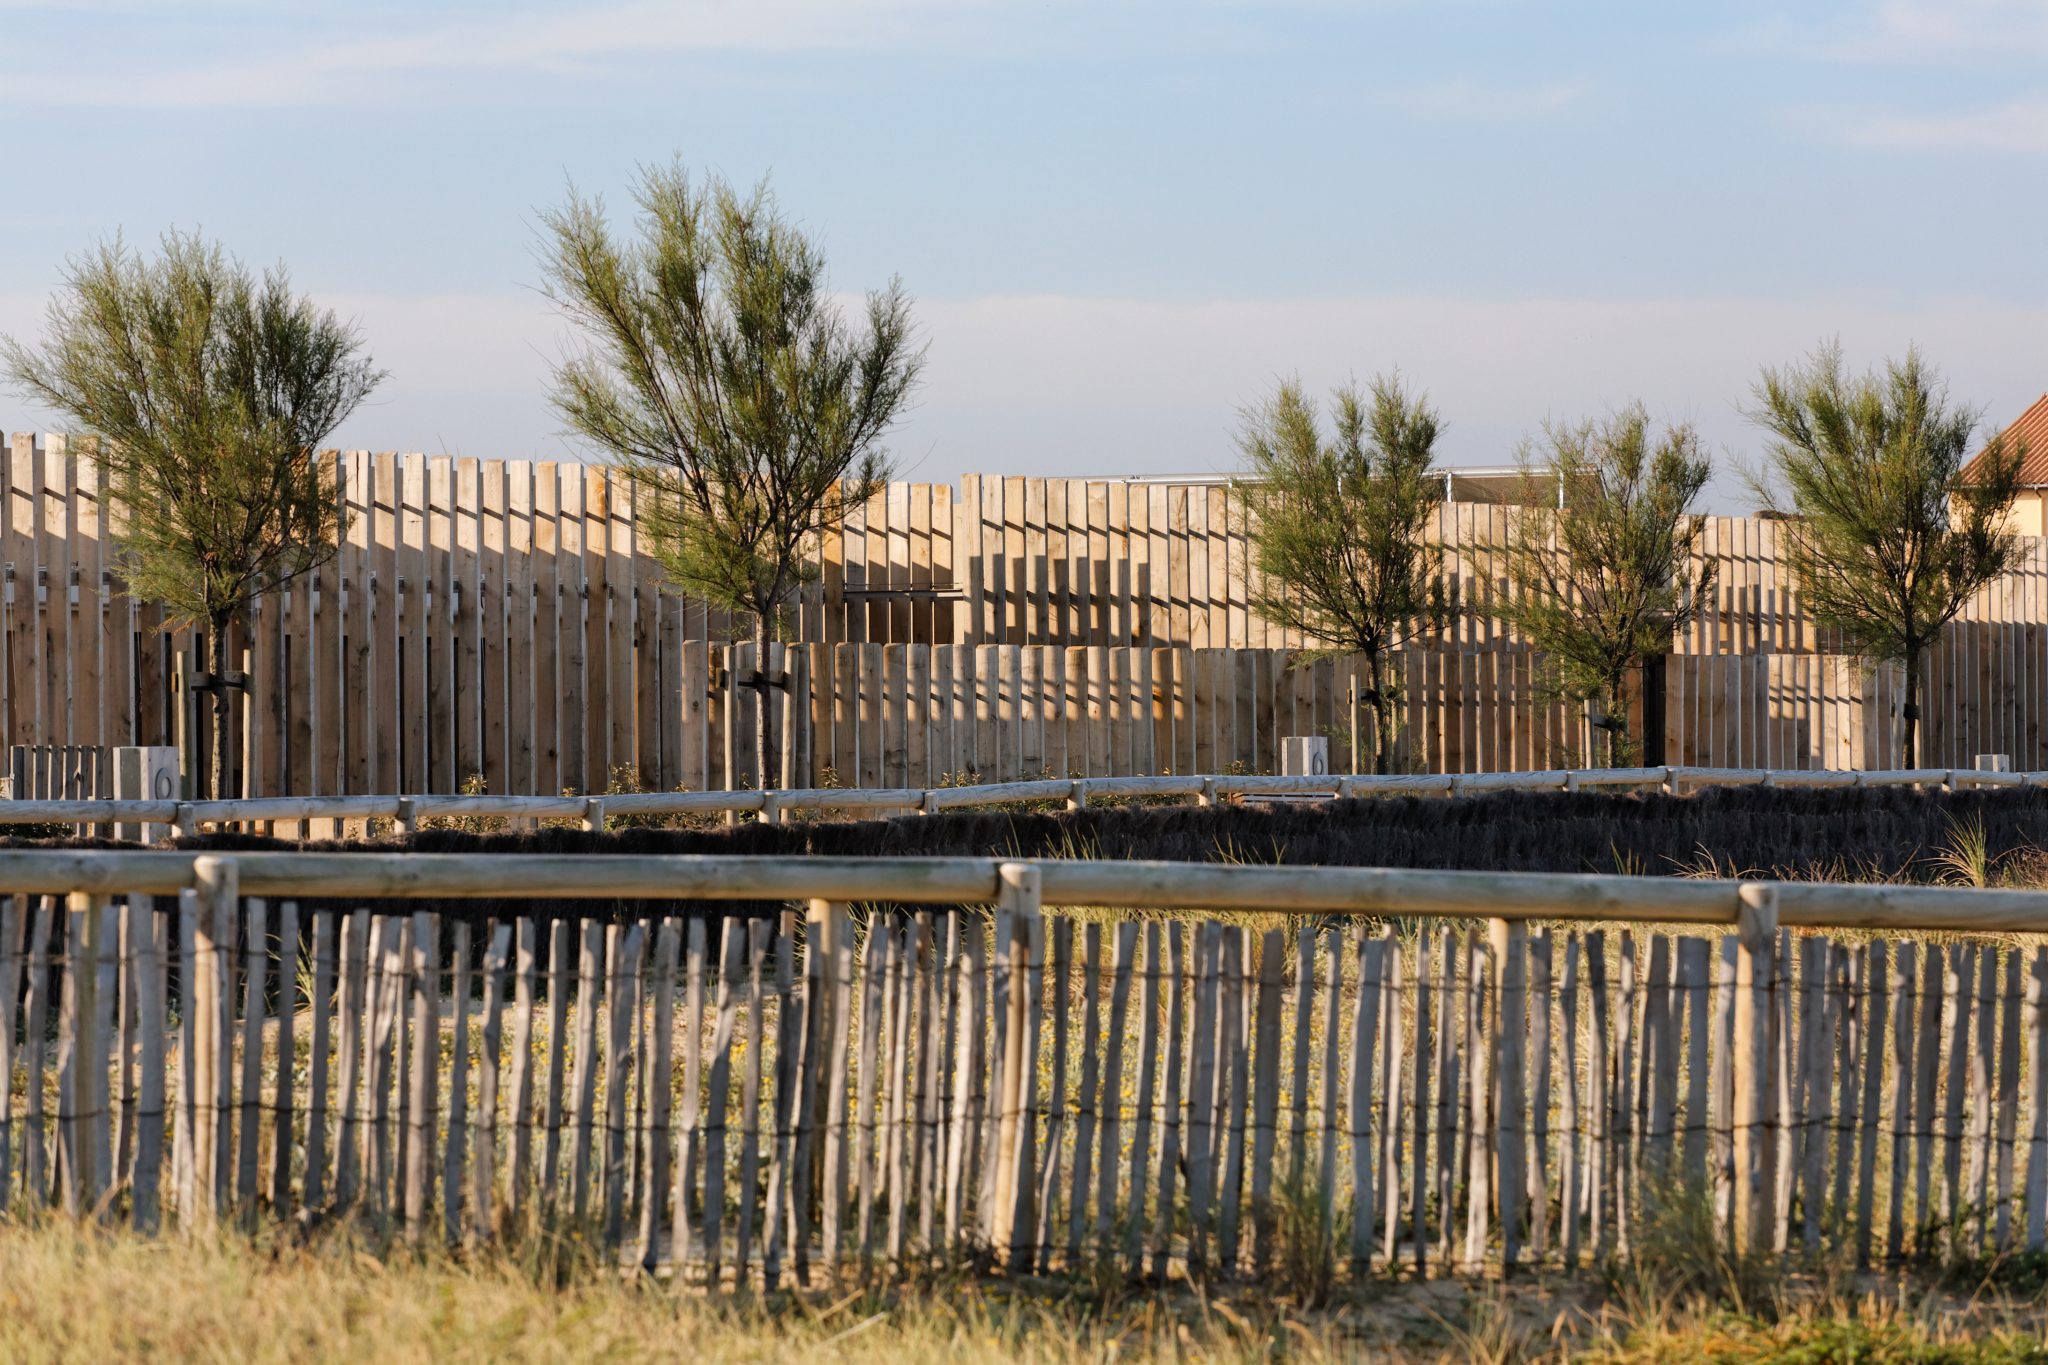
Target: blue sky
{"points": [[1121, 220]]}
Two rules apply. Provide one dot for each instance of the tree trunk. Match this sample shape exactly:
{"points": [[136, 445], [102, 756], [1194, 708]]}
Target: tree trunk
{"points": [[1910, 749], [223, 709], [1616, 704], [768, 770], [1383, 718]]}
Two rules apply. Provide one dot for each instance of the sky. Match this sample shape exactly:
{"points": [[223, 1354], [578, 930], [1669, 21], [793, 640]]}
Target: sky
{"points": [[1121, 220]]}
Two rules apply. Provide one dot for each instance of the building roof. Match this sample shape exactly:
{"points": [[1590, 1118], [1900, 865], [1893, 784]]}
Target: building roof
{"points": [[2031, 430]]}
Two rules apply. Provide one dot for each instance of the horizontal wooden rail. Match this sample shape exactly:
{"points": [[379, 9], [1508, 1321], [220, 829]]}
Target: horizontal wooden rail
{"points": [[1105, 884], [408, 811]]}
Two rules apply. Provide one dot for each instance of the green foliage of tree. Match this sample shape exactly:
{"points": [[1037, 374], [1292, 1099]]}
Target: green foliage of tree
{"points": [[1885, 538], [206, 392], [1337, 528], [1601, 578], [721, 374]]}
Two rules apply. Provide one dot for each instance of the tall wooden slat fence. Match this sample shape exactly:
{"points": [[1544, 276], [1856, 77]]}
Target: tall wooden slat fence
{"points": [[502, 623]]}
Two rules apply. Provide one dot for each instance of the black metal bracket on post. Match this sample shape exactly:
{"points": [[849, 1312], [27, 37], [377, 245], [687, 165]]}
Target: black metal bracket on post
{"points": [[761, 682]]}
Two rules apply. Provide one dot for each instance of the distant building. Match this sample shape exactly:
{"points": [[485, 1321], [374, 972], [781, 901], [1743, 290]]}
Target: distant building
{"points": [[2030, 511]]}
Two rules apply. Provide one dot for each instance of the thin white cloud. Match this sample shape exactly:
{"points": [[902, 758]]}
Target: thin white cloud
{"points": [[579, 41], [1478, 101], [1903, 33], [412, 53], [2018, 125], [1916, 30]]}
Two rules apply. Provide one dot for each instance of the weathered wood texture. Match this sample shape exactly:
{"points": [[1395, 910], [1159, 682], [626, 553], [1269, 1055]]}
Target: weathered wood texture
{"points": [[502, 623], [885, 1117]]}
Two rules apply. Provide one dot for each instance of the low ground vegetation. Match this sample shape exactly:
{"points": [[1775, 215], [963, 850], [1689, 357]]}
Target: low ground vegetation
{"points": [[78, 1293]]}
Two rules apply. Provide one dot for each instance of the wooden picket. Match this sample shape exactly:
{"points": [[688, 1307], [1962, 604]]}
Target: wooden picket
{"points": [[907, 1083]]}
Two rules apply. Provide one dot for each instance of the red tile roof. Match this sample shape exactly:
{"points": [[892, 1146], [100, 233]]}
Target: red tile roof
{"points": [[2032, 429]]}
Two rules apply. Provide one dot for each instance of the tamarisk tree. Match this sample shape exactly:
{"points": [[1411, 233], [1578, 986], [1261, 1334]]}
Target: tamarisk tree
{"points": [[1600, 572], [721, 375], [205, 392], [1885, 533], [1337, 526]]}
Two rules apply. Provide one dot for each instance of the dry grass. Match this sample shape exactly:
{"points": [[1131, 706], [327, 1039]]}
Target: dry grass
{"points": [[72, 1294]]}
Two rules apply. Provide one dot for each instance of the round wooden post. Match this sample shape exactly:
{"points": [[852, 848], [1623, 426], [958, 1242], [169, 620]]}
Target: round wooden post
{"points": [[1018, 902], [1510, 942], [1756, 934]]}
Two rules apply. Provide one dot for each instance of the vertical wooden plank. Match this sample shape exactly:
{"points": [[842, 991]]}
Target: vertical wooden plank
{"points": [[1298, 1080], [35, 1031], [750, 1099], [1539, 1082], [625, 638], [412, 599], [321, 701], [54, 553], [1958, 987], [18, 597], [1393, 1060], [1265, 1091], [87, 608], [495, 604], [2036, 1025], [1452, 984], [518, 1162], [1691, 988], [147, 935], [1756, 940], [655, 1124], [1372, 955], [703, 1134], [781, 1166], [1600, 1139], [349, 1049], [1573, 1149], [1510, 955], [967, 1077], [1148, 1036], [589, 965], [354, 682], [560, 972], [626, 947], [256, 956], [1482, 972], [1202, 1089], [421, 1108], [483, 1224], [599, 600], [283, 1119], [553, 614], [1926, 1075], [1876, 998], [1421, 1059], [832, 930], [572, 604], [219, 900], [1170, 1125], [376, 633], [455, 1150], [1091, 1083], [876, 962]]}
